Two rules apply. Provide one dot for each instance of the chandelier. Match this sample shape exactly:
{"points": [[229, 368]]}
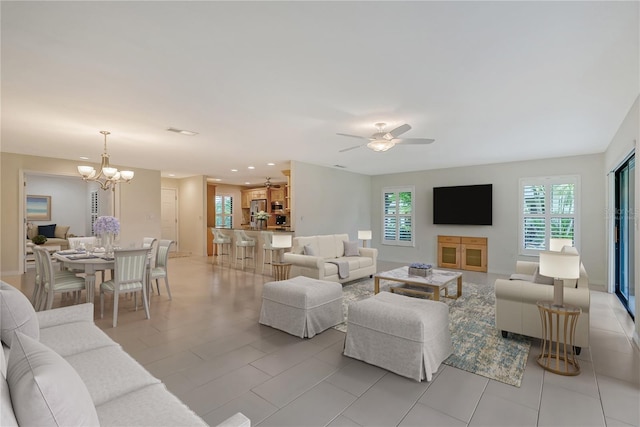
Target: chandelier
{"points": [[108, 177]]}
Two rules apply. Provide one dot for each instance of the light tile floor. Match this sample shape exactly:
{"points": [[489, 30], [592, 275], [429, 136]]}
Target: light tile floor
{"points": [[208, 348]]}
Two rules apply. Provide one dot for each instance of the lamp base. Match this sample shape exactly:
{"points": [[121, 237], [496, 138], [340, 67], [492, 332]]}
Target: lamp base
{"points": [[558, 293]]}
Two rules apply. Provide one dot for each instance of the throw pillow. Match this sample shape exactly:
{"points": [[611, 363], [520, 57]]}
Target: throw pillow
{"points": [[351, 248], [539, 278], [308, 250], [16, 313], [7, 417], [48, 231], [61, 231], [45, 389]]}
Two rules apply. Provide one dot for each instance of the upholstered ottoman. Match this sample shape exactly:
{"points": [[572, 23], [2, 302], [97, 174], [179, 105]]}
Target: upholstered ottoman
{"points": [[301, 306], [407, 336]]}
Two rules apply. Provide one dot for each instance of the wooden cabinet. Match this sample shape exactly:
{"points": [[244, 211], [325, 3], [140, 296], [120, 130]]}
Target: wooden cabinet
{"points": [[259, 193], [246, 199], [467, 253], [276, 194]]}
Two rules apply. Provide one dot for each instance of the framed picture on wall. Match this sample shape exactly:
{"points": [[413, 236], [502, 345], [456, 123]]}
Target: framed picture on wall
{"points": [[39, 208]]}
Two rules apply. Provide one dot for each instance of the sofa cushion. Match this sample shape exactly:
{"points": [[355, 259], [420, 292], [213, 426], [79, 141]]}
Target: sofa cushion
{"points": [[327, 247], [74, 338], [44, 389], [161, 408], [118, 373], [308, 250], [7, 417], [16, 313], [61, 231], [351, 248], [539, 278], [47, 230]]}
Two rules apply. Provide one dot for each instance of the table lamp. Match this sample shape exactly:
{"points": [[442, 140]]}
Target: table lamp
{"points": [[364, 235], [560, 266], [281, 242], [556, 245]]}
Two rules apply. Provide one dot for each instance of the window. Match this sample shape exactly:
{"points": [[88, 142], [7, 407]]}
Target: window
{"points": [[549, 209], [224, 211], [397, 205]]}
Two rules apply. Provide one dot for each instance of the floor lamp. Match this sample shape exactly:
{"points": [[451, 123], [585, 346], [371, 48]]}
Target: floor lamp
{"points": [[364, 235], [560, 266]]}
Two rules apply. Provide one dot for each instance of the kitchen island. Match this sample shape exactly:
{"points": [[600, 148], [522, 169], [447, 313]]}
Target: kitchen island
{"points": [[259, 236]]}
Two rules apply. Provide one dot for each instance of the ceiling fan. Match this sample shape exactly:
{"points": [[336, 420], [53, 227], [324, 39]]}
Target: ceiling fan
{"points": [[382, 140], [268, 183]]}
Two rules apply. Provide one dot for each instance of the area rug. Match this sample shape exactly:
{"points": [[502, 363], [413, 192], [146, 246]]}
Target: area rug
{"points": [[478, 346]]}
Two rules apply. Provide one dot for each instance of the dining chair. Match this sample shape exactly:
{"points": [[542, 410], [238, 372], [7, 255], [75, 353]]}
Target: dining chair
{"points": [[267, 246], [53, 282], [39, 277], [130, 276], [243, 242], [221, 239], [160, 270]]}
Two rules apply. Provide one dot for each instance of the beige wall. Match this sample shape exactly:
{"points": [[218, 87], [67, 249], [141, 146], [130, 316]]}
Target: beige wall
{"points": [[139, 204], [192, 211]]}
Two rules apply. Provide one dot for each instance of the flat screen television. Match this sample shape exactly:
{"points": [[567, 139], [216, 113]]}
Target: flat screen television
{"points": [[463, 205]]}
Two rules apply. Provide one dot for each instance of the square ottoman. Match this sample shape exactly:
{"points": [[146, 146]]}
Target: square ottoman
{"points": [[407, 336], [301, 306]]}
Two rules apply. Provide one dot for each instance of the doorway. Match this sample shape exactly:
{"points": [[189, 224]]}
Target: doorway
{"points": [[625, 234]]}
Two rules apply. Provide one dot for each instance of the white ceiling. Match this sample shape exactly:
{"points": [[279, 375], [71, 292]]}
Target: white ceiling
{"points": [[274, 81]]}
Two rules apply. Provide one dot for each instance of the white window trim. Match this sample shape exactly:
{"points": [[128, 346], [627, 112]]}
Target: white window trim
{"points": [[397, 190], [224, 215], [548, 180]]}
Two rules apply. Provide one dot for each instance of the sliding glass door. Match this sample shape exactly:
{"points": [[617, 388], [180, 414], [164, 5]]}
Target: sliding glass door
{"points": [[625, 234]]}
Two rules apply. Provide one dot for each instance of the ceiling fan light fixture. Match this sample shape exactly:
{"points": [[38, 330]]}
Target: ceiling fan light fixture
{"points": [[380, 145]]}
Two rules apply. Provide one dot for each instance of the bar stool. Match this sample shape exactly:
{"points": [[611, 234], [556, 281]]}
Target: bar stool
{"points": [[220, 239], [267, 246], [244, 242]]}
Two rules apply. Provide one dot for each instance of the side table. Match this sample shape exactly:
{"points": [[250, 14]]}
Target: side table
{"points": [[558, 333], [281, 270]]}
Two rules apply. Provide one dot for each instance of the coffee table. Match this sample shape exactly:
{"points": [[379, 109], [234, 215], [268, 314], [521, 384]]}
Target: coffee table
{"points": [[431, 284]]}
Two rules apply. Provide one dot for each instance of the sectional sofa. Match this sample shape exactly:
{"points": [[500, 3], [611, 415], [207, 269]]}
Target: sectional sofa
{"points": [[58, 368]]}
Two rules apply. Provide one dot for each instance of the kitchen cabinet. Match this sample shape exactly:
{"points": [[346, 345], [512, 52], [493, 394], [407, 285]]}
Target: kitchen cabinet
{"points": [[276, 194], [246, 199], [466, 253]]}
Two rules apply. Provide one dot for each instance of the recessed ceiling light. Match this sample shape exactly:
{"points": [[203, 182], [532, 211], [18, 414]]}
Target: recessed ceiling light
{"points": [[84, 158], [247, 182], [217, 179], [172, 174], [234, 170], [251, 167], [182, 131], [271, 164]]}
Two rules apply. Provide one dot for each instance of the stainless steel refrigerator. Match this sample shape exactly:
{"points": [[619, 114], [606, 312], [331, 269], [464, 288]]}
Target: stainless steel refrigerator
{"points": [[257, 205]]}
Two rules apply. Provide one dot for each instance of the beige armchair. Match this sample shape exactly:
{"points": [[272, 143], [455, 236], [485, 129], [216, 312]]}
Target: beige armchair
{"points": [[516, 309]]}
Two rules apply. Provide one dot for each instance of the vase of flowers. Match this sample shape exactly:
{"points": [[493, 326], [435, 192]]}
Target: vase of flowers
{"points": [[261, 219], [107, 227]]}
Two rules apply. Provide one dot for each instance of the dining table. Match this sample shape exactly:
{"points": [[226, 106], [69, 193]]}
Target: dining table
{"points": [[89, 263]]}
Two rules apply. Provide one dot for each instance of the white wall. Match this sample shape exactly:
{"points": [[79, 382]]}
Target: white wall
{"points": [[503, 234], [329, 201], [624, 142]]}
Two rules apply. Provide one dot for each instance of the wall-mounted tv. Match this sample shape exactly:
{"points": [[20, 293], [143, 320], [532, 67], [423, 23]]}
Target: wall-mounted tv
{"points": [[463, 205]]}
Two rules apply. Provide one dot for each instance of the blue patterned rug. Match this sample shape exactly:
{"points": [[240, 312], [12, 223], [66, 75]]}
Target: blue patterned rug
{"points": [[478, 346]]}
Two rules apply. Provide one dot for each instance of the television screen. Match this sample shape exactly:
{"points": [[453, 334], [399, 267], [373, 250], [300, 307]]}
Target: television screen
{"points": [[463, 205]]}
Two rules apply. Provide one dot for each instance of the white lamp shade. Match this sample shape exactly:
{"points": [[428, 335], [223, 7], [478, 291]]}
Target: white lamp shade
{"points": [[281, 241], [556, 245], [364, 234], [559, 265], [109, 172]]}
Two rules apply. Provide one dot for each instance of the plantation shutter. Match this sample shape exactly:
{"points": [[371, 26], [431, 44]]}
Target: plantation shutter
{"points": [[397, 227], [549, 210], [224, 211]]}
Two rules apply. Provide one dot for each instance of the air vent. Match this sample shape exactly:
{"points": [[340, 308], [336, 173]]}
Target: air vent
{"points": [[339, 166], [182, 131]]}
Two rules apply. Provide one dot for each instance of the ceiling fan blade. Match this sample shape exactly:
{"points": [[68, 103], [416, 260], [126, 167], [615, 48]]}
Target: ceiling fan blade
{"points": [[409, 141], [353, 136], [350, 148], [398, 131]]}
